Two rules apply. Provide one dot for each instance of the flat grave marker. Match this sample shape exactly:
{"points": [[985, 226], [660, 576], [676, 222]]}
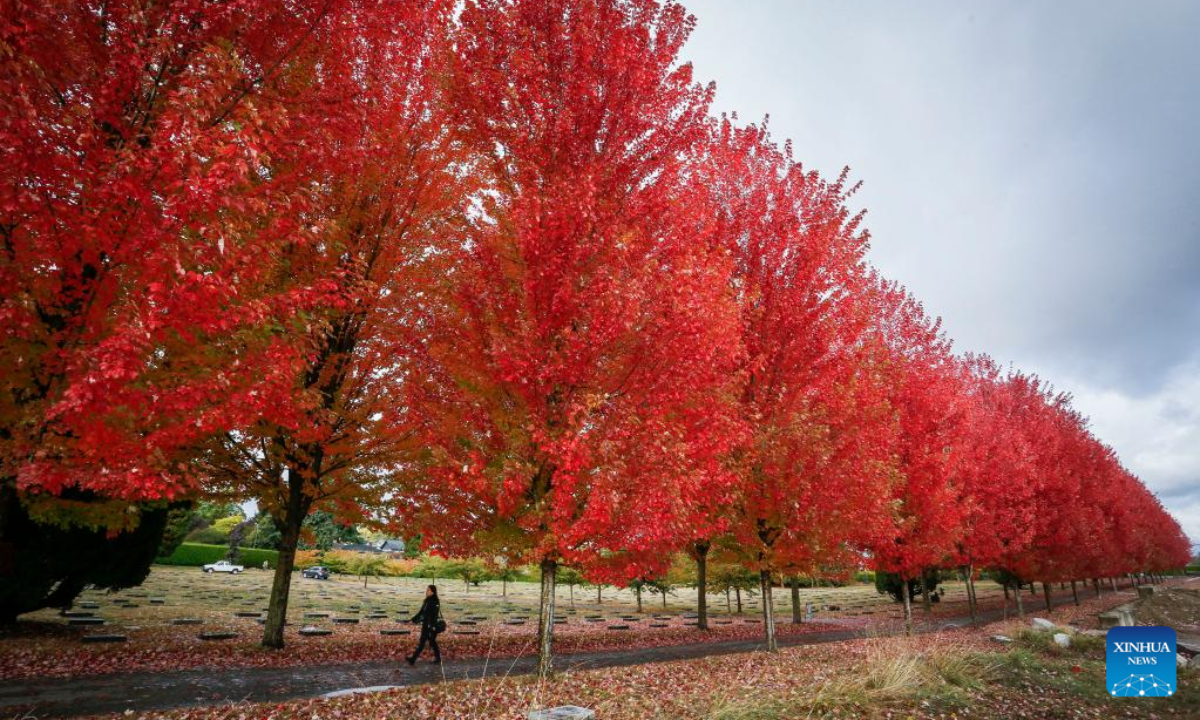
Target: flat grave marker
{"points": [[217, 635], [104, 638]]}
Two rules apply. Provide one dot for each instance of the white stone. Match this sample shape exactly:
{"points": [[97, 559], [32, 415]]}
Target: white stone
{"points": [[1118, 616], [1002, 638], [1062, 639], [1042, 624], [563, 712], [1194, 664], [1180, 660]]}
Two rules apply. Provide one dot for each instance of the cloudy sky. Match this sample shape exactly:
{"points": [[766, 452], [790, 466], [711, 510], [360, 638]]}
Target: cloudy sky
{"points": [[1031, 173]]}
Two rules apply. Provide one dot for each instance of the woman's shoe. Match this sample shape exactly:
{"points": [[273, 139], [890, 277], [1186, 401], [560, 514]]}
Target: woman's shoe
{"points": [[411, 660]]}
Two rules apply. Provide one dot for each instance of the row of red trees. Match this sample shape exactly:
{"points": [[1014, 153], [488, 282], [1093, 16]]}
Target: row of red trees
{"points": [[496, 274]]}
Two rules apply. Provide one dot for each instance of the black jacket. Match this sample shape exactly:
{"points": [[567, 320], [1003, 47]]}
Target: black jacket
{"points": [[429, 613]]}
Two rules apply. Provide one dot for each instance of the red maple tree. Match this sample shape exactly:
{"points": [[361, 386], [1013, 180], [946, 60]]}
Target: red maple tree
{"points": [[139, 215], [382, 202], [925, 388], [586, 334], [811, 472]]}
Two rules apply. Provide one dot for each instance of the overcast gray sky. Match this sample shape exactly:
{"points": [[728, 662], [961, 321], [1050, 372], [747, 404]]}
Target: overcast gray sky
{"points": [[1031, 173]]}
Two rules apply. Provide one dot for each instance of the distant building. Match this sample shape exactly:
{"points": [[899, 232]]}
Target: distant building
{"points": [[356, 547], [391, 546]]}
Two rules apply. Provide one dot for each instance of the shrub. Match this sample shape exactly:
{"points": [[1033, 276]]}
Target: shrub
{"points": [[196, 554], [179, 520], [307, 558], [226, 524], [890, 583], [367, 565], [50, 565], [207, 536], [399, 568], [339, 561], [432, 566]]}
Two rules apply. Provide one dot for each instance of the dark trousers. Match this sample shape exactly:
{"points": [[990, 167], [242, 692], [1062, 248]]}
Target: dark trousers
{"points": [[428, 635]]}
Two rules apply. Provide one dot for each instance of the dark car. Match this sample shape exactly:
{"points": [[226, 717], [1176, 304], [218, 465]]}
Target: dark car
{"points": [[316, 573]]}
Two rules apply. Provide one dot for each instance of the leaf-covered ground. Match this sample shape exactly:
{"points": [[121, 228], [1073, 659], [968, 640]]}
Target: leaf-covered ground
{"points": [[954, 674], [43, 645]]}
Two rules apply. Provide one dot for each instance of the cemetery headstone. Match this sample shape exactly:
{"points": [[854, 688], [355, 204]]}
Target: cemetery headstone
{"points": [[563, 712], [217, 635], [104, 638]]}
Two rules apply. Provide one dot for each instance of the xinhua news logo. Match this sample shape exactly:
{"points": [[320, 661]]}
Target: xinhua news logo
{"points": [[1140, 661]]}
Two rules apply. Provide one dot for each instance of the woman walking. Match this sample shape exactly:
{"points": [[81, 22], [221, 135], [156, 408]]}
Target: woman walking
{"points": [[430, 615]]}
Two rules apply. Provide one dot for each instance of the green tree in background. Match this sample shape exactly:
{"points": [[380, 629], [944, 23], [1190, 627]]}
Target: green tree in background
{"points": [[326, 531], [68, 559]]}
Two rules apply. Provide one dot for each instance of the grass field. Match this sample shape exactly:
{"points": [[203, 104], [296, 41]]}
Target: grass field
{"points": [[485, 620]]}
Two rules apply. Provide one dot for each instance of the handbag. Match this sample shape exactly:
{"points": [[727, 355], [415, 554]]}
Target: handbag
{"points": [[440, 626]]}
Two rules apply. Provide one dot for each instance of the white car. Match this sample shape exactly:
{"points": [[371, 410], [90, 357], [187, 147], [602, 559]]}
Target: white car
{"points": [[224, 566]]}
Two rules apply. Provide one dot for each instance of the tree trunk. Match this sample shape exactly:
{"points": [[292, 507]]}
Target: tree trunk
{"points": [[1020, 604], [1046, 593], [925, 602], [907, 605], [797, 616], [768, 611], [10, 512], [972, 601], [728, 603], [1005, 593], [546, 620], [599, 597], [10, 607], [738, 593], [1074, 592], [289, 539], [702, 586], [664, 596], [504, 587], [638, 592], [572, 591]]}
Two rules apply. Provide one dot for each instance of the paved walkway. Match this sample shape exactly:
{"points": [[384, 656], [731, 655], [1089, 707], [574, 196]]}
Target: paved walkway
{"points": [[148, 691]]}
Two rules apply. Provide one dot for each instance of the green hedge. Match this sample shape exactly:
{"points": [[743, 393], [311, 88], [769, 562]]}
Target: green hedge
{"points": [[196, 554]]}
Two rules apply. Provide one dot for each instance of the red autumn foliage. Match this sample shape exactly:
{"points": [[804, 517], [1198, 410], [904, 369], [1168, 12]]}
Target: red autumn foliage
{"points": [[492, 264]]}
